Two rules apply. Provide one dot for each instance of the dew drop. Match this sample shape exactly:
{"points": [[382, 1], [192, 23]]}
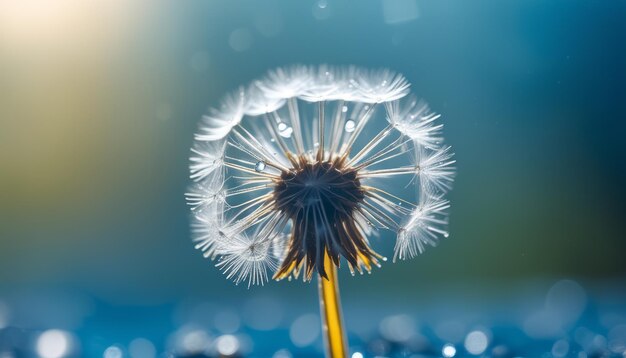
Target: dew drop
{"points": [[272, 140], [446, 235], [285, 132], [260, 166], [350, 125], [344, 109], [282, 126]]}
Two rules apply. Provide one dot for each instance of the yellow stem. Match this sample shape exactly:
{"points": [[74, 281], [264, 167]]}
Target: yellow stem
{"points": [[330, 306]]}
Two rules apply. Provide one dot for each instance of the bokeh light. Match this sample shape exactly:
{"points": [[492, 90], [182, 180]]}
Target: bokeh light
{"points": [[304, 330], [113, 352], [227, 345], [476, 342], [54, 343], [448, 351]]}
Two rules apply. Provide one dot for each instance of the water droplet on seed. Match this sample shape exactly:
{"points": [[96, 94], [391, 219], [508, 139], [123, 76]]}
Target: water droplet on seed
{"points": [[350, 125], [282, 126], [285, 131], [344, 109], [260, 166]]}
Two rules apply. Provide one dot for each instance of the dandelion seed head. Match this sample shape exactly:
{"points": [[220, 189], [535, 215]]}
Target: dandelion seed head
{"points": [[219, 121], [424, 225], [326, 84], [377, 86], [287, 173], [206, 194], [435, 169], [210, 232], [259, 103], [207, 159], [285, 83], [413, 118], [246, 259]]}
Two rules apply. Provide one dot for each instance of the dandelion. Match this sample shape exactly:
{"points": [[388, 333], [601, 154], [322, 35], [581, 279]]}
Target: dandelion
{"points": [[296, 173], [207, 160], [246, 259]]}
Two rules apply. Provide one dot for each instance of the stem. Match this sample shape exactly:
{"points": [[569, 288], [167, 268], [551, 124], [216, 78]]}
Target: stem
{"points": [[330, 307]]}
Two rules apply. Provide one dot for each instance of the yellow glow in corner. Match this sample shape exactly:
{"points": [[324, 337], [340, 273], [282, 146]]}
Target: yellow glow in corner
{"points": [[35, 20], [55, 23]]}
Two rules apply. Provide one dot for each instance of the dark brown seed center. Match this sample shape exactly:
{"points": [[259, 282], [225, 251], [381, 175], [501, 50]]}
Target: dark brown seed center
{"points": [[319, 190], [321, 199]]}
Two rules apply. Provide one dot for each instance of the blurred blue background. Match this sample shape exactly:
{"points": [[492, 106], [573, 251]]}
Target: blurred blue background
{"points": [[98, 104]]}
